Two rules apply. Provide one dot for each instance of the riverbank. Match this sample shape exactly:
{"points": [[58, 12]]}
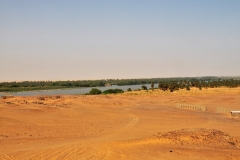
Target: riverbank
{"points": [[71, 91], [191, 92]]}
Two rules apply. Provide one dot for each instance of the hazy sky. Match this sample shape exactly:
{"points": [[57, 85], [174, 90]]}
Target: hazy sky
{"points": [[75, 40]]}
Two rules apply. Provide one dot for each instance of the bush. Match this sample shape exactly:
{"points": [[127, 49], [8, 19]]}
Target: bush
{"points": [[95, 91], [144, 87], [113, 91], [129, 89]]}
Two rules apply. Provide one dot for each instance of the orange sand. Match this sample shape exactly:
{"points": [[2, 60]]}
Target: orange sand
{"points": [[134, 125]]}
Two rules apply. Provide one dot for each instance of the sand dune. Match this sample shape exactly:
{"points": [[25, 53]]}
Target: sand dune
{"points": [[133, 125]]}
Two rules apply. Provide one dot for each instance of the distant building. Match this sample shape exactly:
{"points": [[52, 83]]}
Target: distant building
{"points": [[108, 85]]}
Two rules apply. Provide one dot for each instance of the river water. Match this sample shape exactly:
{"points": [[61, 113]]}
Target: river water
{"points": [[74, 90]]}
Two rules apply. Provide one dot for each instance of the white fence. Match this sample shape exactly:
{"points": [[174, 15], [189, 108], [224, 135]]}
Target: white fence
{"points": [[224, 110], [231, 112], [190, 106]]}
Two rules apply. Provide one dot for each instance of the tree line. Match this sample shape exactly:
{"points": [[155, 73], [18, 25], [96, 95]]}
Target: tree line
{"points": [[164, 83], [181, 84]]}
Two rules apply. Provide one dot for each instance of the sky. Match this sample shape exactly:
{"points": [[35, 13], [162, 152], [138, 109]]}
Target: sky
{"points": [[93, 39]]}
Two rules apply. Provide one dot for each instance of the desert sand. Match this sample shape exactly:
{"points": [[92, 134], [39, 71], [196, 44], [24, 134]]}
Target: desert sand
{"points": [[134, 125]]}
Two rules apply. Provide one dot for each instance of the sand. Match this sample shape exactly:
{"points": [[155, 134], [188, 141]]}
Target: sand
{"points": [[134, 125]]}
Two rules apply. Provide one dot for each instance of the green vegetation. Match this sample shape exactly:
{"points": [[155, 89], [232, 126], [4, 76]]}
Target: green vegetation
{"points": [[171, 84], [198, 83], [95, 91], [152, 85], [129, 89], [144, 88], [113, 91]]}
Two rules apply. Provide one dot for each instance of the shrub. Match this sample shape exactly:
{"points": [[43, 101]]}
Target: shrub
{"points": [[94, 91], [129, 89], [113, 91], [144, 87]]}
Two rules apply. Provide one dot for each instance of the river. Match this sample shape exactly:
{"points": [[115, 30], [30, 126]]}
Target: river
{"points": [[71, 91]]}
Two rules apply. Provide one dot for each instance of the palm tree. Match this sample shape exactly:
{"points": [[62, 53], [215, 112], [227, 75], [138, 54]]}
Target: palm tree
{"points": [[152, 85]]}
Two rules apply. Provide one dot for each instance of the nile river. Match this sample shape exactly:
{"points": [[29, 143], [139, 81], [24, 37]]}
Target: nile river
{"points": [[71, 91]]}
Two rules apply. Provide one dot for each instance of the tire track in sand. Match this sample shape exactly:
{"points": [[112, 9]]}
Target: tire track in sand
{"points": [[102, 150], [95, 149]]}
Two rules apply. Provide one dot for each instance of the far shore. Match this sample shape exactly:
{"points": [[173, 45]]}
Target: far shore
{"points": [[192, 91]]}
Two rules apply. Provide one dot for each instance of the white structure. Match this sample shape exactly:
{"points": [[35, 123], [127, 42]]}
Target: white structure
{"points": [[235, 112]]}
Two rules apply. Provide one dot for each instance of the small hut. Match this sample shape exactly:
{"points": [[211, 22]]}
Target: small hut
{"points": [[235, 113]]}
